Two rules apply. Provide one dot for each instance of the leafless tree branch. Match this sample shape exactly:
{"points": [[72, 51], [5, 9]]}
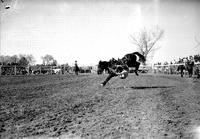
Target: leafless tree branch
{"points": [[198, 42], [146, 40]]}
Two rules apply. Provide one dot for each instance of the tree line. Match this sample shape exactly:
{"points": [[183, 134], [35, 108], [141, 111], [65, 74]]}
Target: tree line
{"points": [[26, 60]]}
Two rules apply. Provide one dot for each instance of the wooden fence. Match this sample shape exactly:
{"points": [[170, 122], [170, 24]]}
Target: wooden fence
{"points": [[27, 70], [170, 68]]}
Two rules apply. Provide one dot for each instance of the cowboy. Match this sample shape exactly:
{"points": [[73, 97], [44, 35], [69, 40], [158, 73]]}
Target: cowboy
{"points": [[190, 65], [76, 68], [120, 70], [181, 68]]}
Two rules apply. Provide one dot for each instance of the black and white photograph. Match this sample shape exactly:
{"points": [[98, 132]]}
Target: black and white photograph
{"points": [[99, 69]]}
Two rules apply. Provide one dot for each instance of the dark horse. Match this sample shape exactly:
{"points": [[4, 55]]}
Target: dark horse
{"points": [[103, 65], [129, 60], [189, 65], [181, 68]]}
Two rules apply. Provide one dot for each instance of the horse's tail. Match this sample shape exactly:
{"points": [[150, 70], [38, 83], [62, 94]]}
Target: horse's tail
{"points": [[140, 56]]}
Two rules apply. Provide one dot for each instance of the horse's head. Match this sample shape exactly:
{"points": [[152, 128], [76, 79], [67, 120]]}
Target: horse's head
{"points": [[99, 68], [113, 63], [103, 65]]}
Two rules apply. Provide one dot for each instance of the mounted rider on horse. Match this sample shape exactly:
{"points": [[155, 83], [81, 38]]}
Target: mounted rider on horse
{"points": [[120, 67]]}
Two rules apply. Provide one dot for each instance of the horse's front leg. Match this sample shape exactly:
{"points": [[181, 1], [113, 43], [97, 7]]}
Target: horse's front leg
{"points": [[189, 73]]}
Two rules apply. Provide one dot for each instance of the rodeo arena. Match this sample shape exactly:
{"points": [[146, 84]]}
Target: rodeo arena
{"points": [[92, 69], [49, 101]]}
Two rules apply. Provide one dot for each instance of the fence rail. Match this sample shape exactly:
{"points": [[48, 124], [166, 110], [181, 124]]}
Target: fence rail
{"points": [[27, 70], [170, 68]]}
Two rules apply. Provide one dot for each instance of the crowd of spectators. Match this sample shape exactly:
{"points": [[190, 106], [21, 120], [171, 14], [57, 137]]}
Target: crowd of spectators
{"points": [[195, 58], [171, 67]]}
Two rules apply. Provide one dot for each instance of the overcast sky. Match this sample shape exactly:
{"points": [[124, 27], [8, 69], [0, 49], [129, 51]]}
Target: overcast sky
{"points": [[93, 30]]}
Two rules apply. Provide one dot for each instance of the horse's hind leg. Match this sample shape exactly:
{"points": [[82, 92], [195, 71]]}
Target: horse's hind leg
{"points": [[190, 73], [136, 72], [181, 73]]}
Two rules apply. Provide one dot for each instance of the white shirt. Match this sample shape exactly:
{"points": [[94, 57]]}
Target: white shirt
{"points": [[123, 74]]}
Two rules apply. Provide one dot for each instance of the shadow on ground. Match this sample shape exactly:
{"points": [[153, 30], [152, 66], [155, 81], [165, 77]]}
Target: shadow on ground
{"points": [[150, 87], [141, 87]]}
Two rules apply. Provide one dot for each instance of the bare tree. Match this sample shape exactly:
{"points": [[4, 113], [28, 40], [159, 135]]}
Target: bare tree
{"points": [[54, 63], [14, 59], [146, 40], [9, 60], [6, 60], [197, 41], [47, 59], [30, 59], [23, 61]]}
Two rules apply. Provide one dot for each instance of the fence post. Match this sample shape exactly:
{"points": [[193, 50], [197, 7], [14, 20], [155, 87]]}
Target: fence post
{"points": [[28, 70], [0, 70], [40, 69], [15, 69]]}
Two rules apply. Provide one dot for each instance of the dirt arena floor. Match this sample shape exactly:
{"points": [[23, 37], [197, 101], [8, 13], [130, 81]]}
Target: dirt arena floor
{"points": [[68, 106]]}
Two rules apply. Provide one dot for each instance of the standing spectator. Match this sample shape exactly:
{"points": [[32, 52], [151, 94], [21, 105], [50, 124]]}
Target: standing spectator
{"points": [[171, 69], [181, 68], [192, 63], [189, 66], [76, 68], [196, 72]]}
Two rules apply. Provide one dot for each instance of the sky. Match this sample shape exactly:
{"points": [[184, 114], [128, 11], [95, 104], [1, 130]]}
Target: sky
{"points": [[93, 30]]}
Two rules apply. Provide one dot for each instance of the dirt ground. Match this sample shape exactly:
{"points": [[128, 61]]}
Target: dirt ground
{"points": [[68, 106]]}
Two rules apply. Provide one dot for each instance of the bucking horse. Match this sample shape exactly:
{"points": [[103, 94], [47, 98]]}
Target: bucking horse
{"points": [[121, 66]]}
